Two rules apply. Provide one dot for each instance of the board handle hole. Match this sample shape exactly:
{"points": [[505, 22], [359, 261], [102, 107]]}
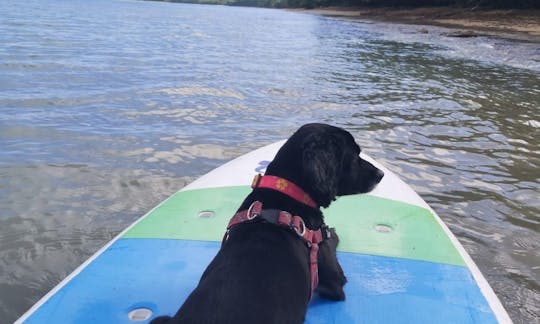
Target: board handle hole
{"points": [[139, 314], [383, 228], [206, 214]]}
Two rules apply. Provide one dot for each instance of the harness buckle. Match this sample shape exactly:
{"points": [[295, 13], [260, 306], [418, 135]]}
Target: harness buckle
{"points": [[256, 180]]}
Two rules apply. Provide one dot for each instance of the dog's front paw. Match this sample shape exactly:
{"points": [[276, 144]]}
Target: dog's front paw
{"points": [[331, 292]]}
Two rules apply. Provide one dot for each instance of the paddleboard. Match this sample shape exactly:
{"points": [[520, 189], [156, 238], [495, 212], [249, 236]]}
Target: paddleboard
{"points": [[402, 263]]}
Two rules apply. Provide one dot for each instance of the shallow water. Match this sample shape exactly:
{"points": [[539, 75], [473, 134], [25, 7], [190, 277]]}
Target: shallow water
{"points": [[108, 107]]}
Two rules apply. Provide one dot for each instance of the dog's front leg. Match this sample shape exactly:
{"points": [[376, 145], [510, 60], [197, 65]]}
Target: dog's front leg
{"points": [[331, 277]]}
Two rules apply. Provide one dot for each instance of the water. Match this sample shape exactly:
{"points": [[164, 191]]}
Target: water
{"points": [[108, 107]]}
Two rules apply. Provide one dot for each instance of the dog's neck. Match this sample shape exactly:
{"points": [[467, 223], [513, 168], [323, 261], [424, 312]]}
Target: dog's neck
{"points": [[284, 186], [274, 199]]}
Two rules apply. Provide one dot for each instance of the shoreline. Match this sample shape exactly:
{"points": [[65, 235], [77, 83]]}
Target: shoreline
{"points": [[508, 23]]}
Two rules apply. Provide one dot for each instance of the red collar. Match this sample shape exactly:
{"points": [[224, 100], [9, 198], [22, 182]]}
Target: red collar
{"points": [[284, 186], [283, 218]]}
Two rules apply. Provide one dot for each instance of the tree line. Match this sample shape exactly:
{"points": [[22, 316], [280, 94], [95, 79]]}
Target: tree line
{"points": [[517, 4]]}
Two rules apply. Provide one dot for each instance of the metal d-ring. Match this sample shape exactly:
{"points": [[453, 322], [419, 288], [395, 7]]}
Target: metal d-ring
{"points": [[301, 224], [249, 216]]}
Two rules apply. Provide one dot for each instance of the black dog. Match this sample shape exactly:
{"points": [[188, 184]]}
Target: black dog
{"points": [[262, 272]]}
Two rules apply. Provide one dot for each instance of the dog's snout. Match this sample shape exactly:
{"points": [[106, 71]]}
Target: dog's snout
{"points": [[379, 175]]}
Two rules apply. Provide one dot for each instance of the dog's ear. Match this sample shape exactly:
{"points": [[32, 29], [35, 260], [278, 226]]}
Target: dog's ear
{"points": [[321, 161]]}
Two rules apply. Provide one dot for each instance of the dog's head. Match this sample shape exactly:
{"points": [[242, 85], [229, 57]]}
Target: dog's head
{"points": [[324, 161]]}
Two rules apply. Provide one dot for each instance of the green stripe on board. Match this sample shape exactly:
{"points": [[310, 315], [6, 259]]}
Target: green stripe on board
{"points": [[178, 217], [415, 233]]}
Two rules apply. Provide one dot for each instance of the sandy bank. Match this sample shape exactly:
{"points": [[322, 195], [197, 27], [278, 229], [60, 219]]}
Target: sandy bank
{"points": [[515, 23]]}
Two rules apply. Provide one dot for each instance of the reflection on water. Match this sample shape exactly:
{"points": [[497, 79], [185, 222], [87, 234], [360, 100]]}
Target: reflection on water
{"points": [[106, 108]]}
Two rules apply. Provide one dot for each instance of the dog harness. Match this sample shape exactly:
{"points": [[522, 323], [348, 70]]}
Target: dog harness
{"points": [[285, 219]]}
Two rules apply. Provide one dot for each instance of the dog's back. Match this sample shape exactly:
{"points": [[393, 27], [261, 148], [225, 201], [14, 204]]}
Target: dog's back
{"points": [[258, 276]]}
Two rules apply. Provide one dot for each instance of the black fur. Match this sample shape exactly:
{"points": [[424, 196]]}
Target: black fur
{"points": [[261, 274]]}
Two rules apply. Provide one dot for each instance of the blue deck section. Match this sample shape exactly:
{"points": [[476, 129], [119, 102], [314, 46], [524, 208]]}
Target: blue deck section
{"points": [[159, 275]]}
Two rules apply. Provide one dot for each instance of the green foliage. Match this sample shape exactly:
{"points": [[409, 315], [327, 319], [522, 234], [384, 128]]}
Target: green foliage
{"points": [[389, 3]]}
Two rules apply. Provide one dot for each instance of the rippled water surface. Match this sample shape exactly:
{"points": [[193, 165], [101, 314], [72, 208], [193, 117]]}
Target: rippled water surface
{"points": [[108, 107]]}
